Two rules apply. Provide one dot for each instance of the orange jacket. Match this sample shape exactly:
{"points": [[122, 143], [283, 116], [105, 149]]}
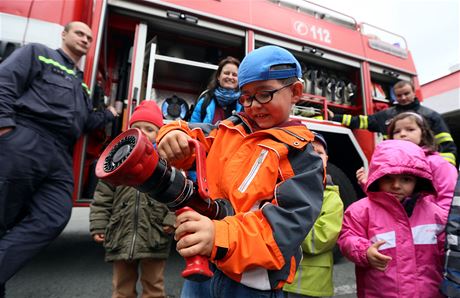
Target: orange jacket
{"points": [[275, 185]]}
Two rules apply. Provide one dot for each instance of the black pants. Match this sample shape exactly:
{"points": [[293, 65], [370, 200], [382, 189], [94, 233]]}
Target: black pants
{"points": [[36, 187]]}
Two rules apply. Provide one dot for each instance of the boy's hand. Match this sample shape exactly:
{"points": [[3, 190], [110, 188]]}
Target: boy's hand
{"points": [[377, 260], [99, 238], [174, 146], [195, 234], [361, 176]]}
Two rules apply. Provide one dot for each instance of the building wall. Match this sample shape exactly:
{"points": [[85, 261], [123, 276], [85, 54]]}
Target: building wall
{"points": [[443, 96]]}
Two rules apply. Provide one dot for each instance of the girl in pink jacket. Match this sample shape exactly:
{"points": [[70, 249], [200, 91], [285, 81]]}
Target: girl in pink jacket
{"points": [[413, 127], [395, 236]]}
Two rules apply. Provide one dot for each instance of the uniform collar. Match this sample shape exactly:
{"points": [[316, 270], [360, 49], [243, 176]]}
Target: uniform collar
{"points": [[412, 106], [68, 60]]}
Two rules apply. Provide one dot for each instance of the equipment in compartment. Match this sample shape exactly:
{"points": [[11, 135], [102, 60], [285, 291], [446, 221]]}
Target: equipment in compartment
{"points": [[175, 108], [378, 92], [335, 87], [349, 94]]}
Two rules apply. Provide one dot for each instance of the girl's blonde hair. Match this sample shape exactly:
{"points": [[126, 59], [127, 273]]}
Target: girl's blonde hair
{"points": [[427, 139]]}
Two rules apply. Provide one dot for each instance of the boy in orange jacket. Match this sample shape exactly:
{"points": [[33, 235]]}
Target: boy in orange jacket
{"points": [[264, 163]]}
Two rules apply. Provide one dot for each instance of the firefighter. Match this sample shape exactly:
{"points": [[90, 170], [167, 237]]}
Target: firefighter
{"points": [[406, 101], [44, 108]]}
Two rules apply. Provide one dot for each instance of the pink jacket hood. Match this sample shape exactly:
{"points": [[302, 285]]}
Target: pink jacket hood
{"points": [[399, 157]]}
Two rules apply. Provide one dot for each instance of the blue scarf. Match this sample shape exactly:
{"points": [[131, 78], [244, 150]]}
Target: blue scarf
{"points": [[225, 96]]}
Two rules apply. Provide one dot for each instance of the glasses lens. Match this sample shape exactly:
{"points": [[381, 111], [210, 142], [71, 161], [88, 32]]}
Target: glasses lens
{"points": [[263, 97], [245, 100]]}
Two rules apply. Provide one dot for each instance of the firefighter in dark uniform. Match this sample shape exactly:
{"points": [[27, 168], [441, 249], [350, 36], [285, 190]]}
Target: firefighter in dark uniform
{"points": [[44, 108], [405, 95]]}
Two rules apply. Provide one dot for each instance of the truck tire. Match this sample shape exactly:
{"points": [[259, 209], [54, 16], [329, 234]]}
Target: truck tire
{"points": [[347, 194], [346, 189]]}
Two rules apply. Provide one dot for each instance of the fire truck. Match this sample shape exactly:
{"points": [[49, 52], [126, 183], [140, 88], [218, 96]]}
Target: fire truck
{"points": [[167, 50]]}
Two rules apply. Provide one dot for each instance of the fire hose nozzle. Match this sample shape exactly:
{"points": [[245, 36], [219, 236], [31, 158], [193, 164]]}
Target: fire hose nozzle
{"points": [[130, 159]]}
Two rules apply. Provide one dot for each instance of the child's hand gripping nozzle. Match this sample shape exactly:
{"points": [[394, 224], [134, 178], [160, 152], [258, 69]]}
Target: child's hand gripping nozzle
{"points": [[130, 159]]}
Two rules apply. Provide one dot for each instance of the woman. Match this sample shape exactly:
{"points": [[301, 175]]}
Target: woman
{"points": [[220, 100]]}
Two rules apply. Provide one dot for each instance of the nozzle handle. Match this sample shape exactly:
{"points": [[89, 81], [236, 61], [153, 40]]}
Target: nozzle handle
{"points": [[196, 267], [200, 164]]}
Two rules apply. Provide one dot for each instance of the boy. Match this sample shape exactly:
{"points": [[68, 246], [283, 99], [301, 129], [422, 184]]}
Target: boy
{"points": [[264, 164], [314, 276], [134, 228]]}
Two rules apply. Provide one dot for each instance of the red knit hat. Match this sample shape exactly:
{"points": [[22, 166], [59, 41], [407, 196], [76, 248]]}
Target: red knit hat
{"points": [[147, 111]]}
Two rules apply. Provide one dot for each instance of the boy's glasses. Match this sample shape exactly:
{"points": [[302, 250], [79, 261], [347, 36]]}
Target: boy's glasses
{"points": [[261, 97]]}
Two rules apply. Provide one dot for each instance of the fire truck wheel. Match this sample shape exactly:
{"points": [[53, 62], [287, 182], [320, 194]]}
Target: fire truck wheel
{"points": [[347, 194], [346, 189]]}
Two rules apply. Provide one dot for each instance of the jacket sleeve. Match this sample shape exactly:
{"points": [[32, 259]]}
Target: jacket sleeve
{"points": [[101, 207], [16, 73], [353, 242], [199, 131], [97, 119], [323, 236], [444, 140], [374, 122], [444, 179], [450, 285]]}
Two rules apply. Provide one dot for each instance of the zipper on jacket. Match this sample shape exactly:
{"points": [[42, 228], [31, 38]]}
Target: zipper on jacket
{"points": [[252, 173], [136, 218], [292, 134]]}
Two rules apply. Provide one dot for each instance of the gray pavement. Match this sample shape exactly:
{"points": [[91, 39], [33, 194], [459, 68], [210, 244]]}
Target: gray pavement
{"points": [[73, 266]]}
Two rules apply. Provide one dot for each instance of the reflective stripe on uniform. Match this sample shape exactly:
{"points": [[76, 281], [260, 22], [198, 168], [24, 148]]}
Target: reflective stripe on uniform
{"points": [[363, 122], [450, 157], [85, 87], [57, 64], [62, 67], [346, 120], [443, 137]]}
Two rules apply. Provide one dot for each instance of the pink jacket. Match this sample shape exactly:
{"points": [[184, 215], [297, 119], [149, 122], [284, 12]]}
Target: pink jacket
{"points": [[415, 243], [444, 178]]}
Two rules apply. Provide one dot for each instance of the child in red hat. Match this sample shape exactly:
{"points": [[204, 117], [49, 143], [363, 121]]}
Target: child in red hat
{"points": [[136, 231]]}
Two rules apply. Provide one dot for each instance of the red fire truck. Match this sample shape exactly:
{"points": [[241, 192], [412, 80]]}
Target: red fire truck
{"points": [[167, 50]]}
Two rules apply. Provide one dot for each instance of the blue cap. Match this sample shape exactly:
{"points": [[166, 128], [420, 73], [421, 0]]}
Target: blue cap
{"points": [[256, 65]]}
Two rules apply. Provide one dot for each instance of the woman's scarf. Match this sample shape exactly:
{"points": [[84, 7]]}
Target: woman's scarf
{"points": [[225, 96]]}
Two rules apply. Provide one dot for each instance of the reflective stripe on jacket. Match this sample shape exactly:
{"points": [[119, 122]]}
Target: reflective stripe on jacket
{"points": [[275, 184]]}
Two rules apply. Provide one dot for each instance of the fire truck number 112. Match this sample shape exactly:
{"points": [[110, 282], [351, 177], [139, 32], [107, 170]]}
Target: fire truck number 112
{"points": [[317, 33]]}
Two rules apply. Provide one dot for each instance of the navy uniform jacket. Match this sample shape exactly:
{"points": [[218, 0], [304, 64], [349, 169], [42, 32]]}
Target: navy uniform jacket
{"points": [[379, 122], [41, 88], [450, 285]]}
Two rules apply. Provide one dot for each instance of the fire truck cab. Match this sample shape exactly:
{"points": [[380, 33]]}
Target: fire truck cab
{"points": [[168, 50]]}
